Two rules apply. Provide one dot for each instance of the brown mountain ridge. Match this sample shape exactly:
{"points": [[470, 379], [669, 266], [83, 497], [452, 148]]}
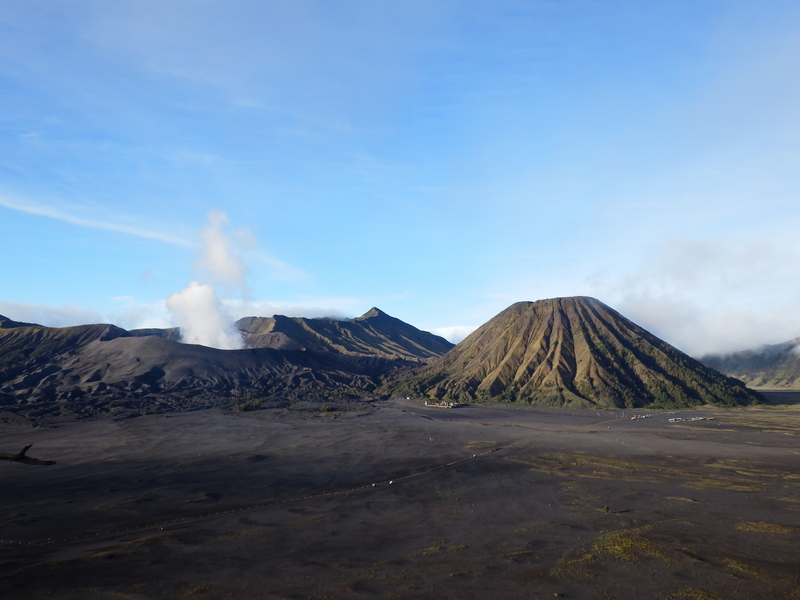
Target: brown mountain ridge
{"points": [[557, 352], [773, 367], [88, 369], [573, 352], [373, 334]]}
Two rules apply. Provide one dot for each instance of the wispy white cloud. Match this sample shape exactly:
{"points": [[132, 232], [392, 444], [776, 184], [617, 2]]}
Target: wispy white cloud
{"points": [[32, 208], [215, 248], [280, 270]]}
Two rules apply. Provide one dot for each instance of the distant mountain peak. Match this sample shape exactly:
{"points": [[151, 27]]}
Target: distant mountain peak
{"points": [[372, 313], [373, 334]]}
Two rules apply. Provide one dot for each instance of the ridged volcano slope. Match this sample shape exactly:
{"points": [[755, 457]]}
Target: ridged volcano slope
{"points": [[373, 334], [771, 367], [89, 369], [26, 347], [571, 352]]}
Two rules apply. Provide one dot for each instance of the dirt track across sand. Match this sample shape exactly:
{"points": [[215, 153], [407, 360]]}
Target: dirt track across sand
{"points": [[475, 502]]}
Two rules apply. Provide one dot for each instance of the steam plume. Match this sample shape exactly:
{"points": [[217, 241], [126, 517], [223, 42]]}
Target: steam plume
{"points": [[197, 310], [216, 257]]}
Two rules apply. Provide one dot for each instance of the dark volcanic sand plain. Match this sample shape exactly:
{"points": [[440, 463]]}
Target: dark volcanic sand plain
{"points": [[702, 511]]}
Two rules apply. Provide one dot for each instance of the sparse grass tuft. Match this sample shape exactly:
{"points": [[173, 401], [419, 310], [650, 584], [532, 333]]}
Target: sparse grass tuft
{"points": [[195, 590], [722, 484], [624, 545], [694, 594], [438, 548], [762, 527], [483, 444], [741, 567], [62, 563]]}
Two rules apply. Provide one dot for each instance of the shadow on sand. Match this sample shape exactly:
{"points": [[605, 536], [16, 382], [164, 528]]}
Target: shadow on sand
{"points": [[782, 398]]}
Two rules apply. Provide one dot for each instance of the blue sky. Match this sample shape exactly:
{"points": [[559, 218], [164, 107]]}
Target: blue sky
{"points": [[439, 160]]}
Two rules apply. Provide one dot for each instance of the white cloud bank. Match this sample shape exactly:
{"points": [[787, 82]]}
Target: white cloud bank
{"points": [[323, 308], [51, 316], [454, 334], [711, 296], [132, 314]]}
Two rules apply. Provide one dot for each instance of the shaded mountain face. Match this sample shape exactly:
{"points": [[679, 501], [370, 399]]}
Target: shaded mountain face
{"points": [[88, 369], [771, 367], [373, 334], [25, 348], [571, 352], [170, 333]]}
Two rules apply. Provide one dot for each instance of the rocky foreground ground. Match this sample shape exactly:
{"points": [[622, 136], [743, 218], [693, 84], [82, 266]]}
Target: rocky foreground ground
{"points": [[398, 500]]}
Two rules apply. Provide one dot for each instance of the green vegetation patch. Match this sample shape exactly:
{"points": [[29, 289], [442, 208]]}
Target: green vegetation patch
{"points": [[246, 406], [628, 545]]}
